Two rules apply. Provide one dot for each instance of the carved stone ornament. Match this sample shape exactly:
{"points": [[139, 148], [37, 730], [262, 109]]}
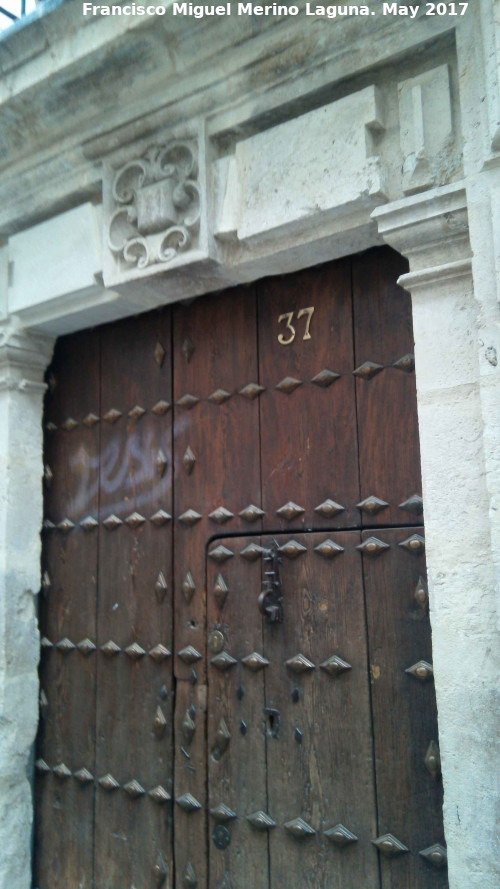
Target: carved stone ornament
{"points": [[155, 207]]}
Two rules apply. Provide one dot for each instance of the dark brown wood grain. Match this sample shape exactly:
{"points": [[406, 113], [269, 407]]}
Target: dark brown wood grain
{"points": [[409, 799]]}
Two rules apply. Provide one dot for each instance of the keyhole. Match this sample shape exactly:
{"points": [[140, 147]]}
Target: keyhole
{"points": [[273, 722]]}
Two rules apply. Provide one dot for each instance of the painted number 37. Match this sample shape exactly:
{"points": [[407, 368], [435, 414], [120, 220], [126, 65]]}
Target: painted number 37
{"points": [[286, 338]]}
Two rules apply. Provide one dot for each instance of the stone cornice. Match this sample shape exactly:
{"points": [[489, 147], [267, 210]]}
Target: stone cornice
{"points": [[23, 360]]}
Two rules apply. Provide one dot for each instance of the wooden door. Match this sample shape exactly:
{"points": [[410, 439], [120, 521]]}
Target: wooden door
{"points": [[186, 739]]}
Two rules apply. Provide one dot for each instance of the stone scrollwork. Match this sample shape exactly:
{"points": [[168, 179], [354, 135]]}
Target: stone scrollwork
{"points": [[156, 201]]}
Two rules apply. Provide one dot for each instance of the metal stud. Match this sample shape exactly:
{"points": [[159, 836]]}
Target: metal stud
{"points": [[159, 354], [252, 552], [390, 846], [189, 655], [341, 836], [110, 649], [328, 549], [189, 880], [220, 515], [222, 814], [89, 523], [372, 505], [261, 820], [299, 828], [216, 641], [251, 513], [161, 407], [159, 723], [69, 424], [435, 855], [299, 664], [46, 643], [43, 702], [135, 651], [161, 587], [421, 595], [335, 666], [187, 348], [255, 662], [223, 661], [290, 511], [51, 427], [42, 768], [421, 670], [48, 476], [90, 420], [292, 549], [295, 695], [220, 554], [65, 645], [134, 520], [86, 646], [159, 795], [48, 525], [46, 583], [134, 789], [159, 653], [373, 546], [189, 460], [414, 544], [66, 526], [160, 517], [240, 693], [432, 760], [298, 736], [328, 509], [160, 870], [220, 591], [137, 412], [190, 517], [112, 415], [414, 505], [367, 370], [222, 739], [193, 677], [219, 396], [251, 390], [61, 771], [83, 776], [325, 378], [188, 728], [288, 385], [161, 463], [187, 401], [188, 803], [112, 522], [243, 727], [188, 587], [406, 363], [108, 783]]}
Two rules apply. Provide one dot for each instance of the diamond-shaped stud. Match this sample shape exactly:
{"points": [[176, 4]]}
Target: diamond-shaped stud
{"points": [[435, 855], [251, 513], [83, 776], [251, 390], [368, 370], [89, 523], [432, 760], [189, 655], [189, 880], [222, 738], [406, 363], [160, 870], [299, 664], [48, 475], [187, 401], [188, 587], [112, 522], [134, 651], [372, 505], [189, 460], [61, 771], [414, 544], [159, 723], [90, 420], [252, 552], [414, 505], [188, 727], [69, 424], [221, 515], [137, 412], [292, 549], [341, 836], [161, 407], [372, 546], [421, 670], [66, 526], [112, 415], [290, 511], [159, 653], [51, 427], [160, 517], [159, 354], [223, 661], [188, 803], [288, 385], [159, 794], [46, 583], [110, 649], [86, 646], [219, 396], [220, 590], [161, 463], [328, 509], [190, 517], [390, 846], [255, 662], [222, 814], [187, 348], [421, 595], [41, 767], [325, 378], [65, 645], [134, 789], [46, 643], [134, 520], [334, 666], [48, 525], [161, 587], [107, 782], [328, 549], [43, 702], [299, 828], [220, 554], [261, 820]]}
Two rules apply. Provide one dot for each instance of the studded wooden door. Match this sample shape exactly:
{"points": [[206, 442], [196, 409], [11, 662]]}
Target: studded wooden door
{"points": [[197, 731]]}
